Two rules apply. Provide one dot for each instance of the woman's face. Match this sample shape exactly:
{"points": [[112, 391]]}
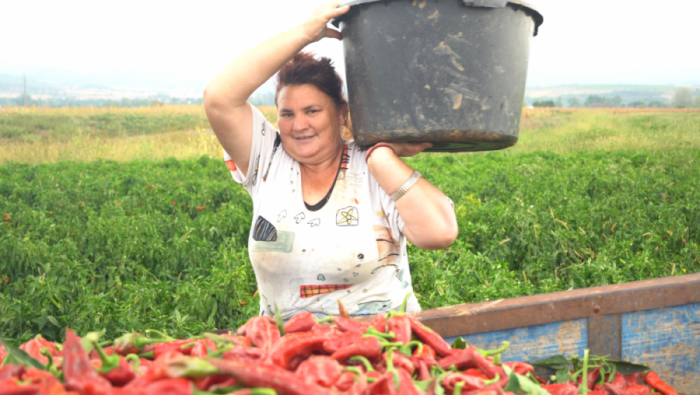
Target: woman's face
{"points": [[309, 124]]}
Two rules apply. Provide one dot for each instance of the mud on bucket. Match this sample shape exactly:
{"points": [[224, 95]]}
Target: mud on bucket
{"points": [[450, 72]]}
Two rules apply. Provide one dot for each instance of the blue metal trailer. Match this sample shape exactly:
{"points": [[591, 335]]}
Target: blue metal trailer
{"points": [[654, 322]]}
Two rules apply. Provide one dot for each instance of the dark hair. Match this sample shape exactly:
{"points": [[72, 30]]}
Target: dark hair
{"points": [[304, 69]]}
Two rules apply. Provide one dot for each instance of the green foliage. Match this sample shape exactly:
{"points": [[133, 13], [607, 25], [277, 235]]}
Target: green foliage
{"points": [[573, 102], [32, 126], [682, 98], [544, 103], [125, 247]]}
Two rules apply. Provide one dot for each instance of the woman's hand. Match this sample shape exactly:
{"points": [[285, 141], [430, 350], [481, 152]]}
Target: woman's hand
{"points": [[406, 150], [316, 27]]}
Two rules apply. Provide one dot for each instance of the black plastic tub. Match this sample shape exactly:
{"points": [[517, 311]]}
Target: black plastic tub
{"points": [[450, 72]]}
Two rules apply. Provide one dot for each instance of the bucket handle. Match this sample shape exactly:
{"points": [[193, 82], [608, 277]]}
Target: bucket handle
{"points": [[472, 3]]}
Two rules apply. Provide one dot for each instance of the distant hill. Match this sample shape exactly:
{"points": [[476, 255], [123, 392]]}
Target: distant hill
{"points": [[628, 93], [70, 87]]}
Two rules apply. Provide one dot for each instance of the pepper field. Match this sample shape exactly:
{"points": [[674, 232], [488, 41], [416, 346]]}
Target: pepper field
{"points": [[127, 219]]}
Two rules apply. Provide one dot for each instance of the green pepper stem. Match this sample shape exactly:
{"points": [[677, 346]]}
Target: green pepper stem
{"points": [[373, 332], [487, 353], [262, 391], [493, 380], [135, 359], [163, 335], [187, 345], [327, 319], [109, 362], [390, 360], [278, 320], [405, 303], [458, 388], [583, 389], [219, 351], [45, 352], [365, 362]]}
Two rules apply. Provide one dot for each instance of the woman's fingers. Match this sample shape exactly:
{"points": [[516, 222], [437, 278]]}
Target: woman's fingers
{"points": [[338, 11], [332, 33], [316, 26]]}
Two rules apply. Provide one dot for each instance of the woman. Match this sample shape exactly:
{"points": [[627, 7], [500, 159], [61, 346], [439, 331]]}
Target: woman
{"points": [[330, 220]]}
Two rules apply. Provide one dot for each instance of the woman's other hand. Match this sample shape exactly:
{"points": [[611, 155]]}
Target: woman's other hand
{"points": [[407, 150], [316, 27]]}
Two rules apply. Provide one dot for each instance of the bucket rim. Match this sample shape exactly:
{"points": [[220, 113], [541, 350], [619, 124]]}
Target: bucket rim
{"points": [[534, 13]]}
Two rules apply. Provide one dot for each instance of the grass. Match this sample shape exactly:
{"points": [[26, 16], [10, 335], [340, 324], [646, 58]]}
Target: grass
{"points": [[564, 130], [48, 135], [44, 135]]}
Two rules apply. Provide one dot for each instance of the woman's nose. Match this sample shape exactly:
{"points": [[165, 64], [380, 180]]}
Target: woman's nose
{"points": [[300, 123]]}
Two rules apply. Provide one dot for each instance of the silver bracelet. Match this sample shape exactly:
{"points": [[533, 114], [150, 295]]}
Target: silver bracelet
{"points": [[412, 180]]}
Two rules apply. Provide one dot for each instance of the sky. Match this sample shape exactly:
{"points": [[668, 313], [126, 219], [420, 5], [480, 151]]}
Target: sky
{"points": [[188, 42]]}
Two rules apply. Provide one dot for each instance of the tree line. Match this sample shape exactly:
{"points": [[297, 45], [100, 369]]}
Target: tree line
{"points": [[682, 98]]}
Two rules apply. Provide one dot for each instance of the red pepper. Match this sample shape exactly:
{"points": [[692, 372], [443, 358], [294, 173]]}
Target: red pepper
{"points": [[252, 374], [424, 361], [157, 371], [345, 381], [428, 336], [78, 373], [301, 322], [34, 346], [11, 371], [243, 354], [386, 384], [349, 324], [475, 373], [40, 377], [368, 347], [334, 343], [592, 376], [470, 382], [253, 391], [638, 389], [459, 358], [656, 383], [379, 322], [634, 378], [122, 375], [169, 387], [294, 345], [400, 361], [175, 345], [202, 348], [426, 352], [401, 326], [241, 341], [263, 332], [520, 368], [321, 370], [126, 344], [207, 382], [561, 389], [618, 382], [10, 387]]}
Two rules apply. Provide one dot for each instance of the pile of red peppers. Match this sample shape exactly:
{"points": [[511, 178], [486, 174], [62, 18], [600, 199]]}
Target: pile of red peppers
{"points": [[392, 354]]}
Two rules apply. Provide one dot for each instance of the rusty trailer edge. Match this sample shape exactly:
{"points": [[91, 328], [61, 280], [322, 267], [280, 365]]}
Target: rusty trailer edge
{"points": [[492, 316]]}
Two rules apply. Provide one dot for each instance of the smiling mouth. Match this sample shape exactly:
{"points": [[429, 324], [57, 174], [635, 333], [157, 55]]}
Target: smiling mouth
{"points": [[304, 138]]}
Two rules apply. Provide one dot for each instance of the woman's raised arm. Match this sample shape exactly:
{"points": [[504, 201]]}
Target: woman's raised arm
{"points": [[226, 96]]}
